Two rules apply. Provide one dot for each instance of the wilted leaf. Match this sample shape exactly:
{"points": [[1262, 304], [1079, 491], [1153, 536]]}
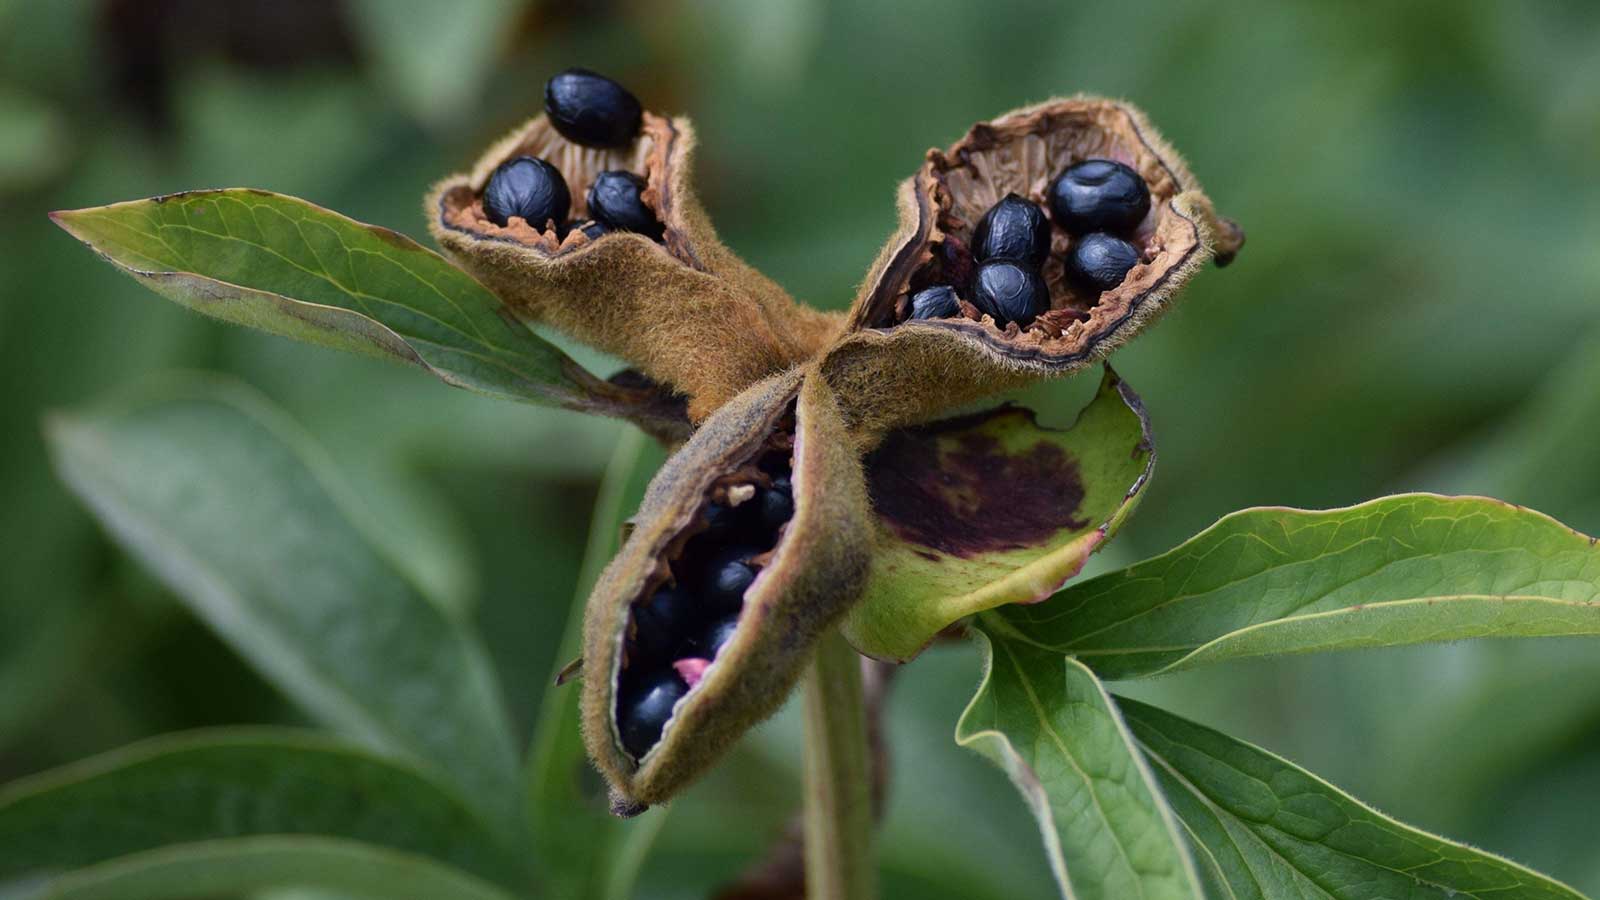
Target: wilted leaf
{"points": [[992, 509], [1407, 569], [291, 268], [1262, 828], [232, 507], [1049, 723], [207, 786]]}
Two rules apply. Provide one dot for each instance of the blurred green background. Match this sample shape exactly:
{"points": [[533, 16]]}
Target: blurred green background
{"points": [[1418, 307]]}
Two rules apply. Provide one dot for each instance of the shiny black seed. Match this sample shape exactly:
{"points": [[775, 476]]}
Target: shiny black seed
{"points": [[614, 201], [526, 187], [776, 503], [661, 622], [1099, 195], [727, 576], [716, 636], [1014, 228], [937, 302], [591, 109], [722, 521], [1099, 262], [645, 708], [1009, 291]]}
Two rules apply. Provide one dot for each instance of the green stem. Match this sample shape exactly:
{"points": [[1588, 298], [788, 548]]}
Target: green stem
{"points": [[838, 800]]}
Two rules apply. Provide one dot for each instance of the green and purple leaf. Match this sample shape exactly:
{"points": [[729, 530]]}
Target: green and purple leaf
{"points": [[1407, 569], [993, 509], [294, 269]]}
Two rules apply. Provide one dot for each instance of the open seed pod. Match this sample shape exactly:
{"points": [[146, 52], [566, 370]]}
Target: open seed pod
{"points": [[677, 304], [707, 616], [895, 369]]}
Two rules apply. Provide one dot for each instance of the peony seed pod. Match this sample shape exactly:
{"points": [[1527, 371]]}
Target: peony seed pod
{"points": [[676, 303], [893, 367], [660, 708]]}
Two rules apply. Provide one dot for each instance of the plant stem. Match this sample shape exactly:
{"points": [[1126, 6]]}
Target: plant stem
{"points": [[838, 799]]}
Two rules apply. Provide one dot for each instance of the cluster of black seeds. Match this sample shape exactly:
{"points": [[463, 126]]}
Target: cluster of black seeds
{"points": [[594, 111], [679, 628], [1094, 201]]}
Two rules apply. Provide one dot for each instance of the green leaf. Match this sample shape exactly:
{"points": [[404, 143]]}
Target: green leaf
{"points": [[591, 854], [235, 509], [1261, 827], [1407, 569], [231, 867], [1047, 721], [992, 509], [234, 783], [291, 268]]}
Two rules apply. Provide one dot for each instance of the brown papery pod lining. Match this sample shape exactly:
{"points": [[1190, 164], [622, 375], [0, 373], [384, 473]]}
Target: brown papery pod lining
{"points": [[896, 371], [805, 584], [686, 312]]}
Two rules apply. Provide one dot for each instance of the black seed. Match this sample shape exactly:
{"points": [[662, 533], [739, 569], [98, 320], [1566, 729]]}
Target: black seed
{"points": [[776, 503], [614, 201], [526, 187], [1014, 228], [1009, 291], [645, 708], [727, 576], [1099, 195], [661, 623], [716, 636], [591, 109], [937, 302], [1099, 262]]}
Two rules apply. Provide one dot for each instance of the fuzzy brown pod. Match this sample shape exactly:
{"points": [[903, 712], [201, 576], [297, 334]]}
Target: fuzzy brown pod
{"points": [[808, 573], [894, 370], [685, 310]]}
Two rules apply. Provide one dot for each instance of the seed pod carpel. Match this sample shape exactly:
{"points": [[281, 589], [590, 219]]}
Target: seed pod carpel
{"points": [[685, 310], [807, 571]]}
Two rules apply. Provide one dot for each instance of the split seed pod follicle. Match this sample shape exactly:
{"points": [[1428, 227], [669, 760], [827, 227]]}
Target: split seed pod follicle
{"points": [[893, 370], [685, 310], [808, 572], [757, 535]]}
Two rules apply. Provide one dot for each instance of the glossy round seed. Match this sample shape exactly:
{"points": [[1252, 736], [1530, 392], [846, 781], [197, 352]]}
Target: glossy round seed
{"points": [[591, 109], [1099, 195], [1015, 229], [937, 302], [615, 202], [1099, 262], [526, 187], [716, 636], [645, 709], [776, 503], [1009, 291], [728, 575], [661, 622], [721, 522]]}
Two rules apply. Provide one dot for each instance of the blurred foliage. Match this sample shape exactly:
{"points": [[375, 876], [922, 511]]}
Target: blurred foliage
{"points": [[1416, 309]]}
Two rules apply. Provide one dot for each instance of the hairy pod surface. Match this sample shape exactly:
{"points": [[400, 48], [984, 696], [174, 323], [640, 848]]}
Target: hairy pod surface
{"points": [[688, 535], [677, 304], [893, 368]]}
